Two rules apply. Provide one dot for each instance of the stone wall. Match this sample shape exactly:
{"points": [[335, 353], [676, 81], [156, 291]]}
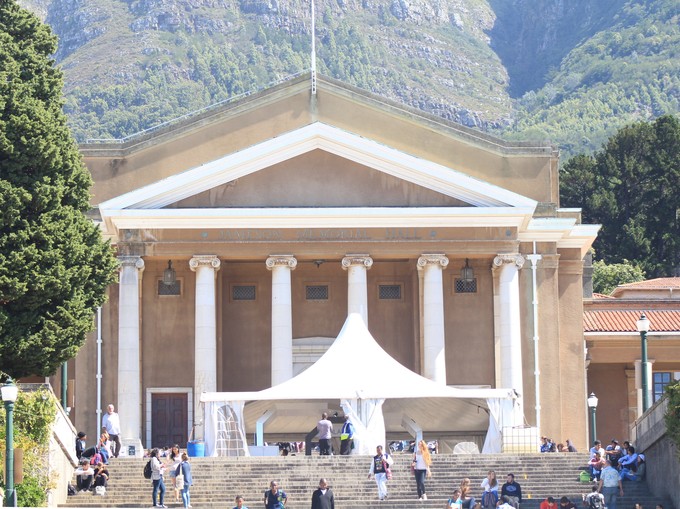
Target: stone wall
{"points": [[661, 454]]}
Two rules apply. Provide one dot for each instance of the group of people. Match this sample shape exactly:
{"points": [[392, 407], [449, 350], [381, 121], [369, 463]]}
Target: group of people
{"points": [[179, 468], [92, 472], [548, 445], [509, 497], [276, 498], [89, 477], [324, 430], [629, 464]]}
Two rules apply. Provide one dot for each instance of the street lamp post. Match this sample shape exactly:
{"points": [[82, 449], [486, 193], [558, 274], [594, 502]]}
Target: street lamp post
{"points": [[592, 406], [9, 395], [643, 329]]}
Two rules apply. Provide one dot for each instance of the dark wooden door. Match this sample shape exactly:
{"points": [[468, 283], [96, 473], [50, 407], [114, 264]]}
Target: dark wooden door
{"points": [[168, 420]]}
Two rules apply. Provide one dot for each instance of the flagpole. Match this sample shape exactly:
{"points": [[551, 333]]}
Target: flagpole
{"points": [[313, 56]]}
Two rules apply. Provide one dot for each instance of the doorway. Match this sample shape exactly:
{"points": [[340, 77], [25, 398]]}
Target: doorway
{"points": [[169, 419]]}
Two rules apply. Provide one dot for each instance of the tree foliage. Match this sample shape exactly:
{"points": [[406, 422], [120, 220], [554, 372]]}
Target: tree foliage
{"points": [[606, 277], [631, 188], [672, 417], [54, 264], [34, 414]]}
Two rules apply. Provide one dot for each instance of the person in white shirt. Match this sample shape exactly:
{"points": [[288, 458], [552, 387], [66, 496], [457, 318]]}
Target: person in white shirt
{"points": [[324, 429], [610, 485], [597, 447], [111, 422]]}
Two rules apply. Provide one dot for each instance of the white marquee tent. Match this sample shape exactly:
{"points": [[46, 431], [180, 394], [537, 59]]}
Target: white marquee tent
{"points": [[376, 391]]}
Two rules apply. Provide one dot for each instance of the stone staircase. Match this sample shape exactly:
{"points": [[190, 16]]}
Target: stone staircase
{"points": [[218, 480]]}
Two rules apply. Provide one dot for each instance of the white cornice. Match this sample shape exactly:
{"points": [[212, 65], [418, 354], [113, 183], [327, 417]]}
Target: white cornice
{"points": [[581, 236], [318, 136], [319, 218]]}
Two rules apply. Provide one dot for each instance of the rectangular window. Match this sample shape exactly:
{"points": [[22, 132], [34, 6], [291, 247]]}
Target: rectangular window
{"points": [[316, 292], [173, 290], [661, 380], [243, 292], [389, 292], [463, 286]]}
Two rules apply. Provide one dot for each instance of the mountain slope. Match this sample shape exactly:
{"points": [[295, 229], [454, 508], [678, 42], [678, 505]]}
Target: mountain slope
{"points": [[131, 64]]}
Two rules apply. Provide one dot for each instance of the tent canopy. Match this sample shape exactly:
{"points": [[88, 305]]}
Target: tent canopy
{"points": [[355, 367]]}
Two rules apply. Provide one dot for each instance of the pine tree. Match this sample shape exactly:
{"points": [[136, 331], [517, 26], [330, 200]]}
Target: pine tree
{"points": [[54, 264], [630, 187]]}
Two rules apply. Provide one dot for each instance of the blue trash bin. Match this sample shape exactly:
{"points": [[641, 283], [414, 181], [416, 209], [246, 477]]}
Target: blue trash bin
{"points": [[196, 448]]}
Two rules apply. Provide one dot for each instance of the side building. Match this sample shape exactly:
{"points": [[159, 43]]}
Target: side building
{"points": [[614, 351], [248, 232]]}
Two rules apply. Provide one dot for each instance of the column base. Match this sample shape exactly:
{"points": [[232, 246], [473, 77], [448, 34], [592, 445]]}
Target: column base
{"points": [[131, 448]]}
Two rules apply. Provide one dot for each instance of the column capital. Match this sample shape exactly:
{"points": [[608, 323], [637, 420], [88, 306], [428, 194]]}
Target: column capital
{"points": [[432, 259], [211, 261], [514, 258], [281, 261], [131, 261], [357, 259]]}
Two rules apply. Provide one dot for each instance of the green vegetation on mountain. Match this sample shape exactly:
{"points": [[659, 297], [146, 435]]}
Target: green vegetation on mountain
{"points": [[569, 71], [54, 264], [626, 73]]}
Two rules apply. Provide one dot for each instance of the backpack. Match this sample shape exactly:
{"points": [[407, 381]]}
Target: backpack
{"points": [[147, 470], [596, 502], [96, 459]]}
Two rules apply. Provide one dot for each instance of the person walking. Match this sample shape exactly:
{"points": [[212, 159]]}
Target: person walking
{"points": [[183, 479], [274, 498], [346, 437], [111, 422], [379, 467], [324, 429], [610, 485], [421, 467], [157, 469], [322, 498], [175, 461]]}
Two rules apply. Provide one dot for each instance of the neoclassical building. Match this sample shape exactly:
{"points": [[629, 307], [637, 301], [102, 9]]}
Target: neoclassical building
{"points": [[273, 217]]}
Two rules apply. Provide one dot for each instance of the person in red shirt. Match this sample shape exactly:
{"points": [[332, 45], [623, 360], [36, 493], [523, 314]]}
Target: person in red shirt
{"points": [[549, 503]]}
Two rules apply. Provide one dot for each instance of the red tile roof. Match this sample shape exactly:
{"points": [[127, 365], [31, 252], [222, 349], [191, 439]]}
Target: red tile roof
{"points": [[662, 282], [607, 320]]}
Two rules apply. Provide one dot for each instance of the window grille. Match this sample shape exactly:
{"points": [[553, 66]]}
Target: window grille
{"points": [[466, 286], [243, 292], [389, 292], [172, 290], [316, 292]]}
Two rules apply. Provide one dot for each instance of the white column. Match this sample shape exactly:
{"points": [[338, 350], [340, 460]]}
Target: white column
{"points": [[129, 404], [434, 355], [205, 331], [509, 327], [356, 266], [282, 317]]}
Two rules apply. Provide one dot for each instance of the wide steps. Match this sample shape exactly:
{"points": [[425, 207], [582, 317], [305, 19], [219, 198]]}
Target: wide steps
{"points": [[218, 480]]}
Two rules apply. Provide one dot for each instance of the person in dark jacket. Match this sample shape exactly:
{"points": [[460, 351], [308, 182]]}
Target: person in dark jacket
{"points": [[512, 490], [322, 498], [184, 469], [80, 444]]}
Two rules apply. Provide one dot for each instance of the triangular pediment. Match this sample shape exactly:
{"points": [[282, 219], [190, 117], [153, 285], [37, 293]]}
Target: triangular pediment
{"points": [[317, 136], [318, 179]]}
